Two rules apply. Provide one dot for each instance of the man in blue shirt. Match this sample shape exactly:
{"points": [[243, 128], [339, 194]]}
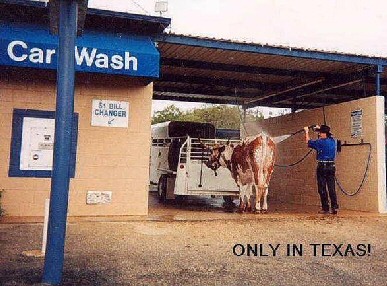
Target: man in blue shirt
{"points": [[326, 147]]}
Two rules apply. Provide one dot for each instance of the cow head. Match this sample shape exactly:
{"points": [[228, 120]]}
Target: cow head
{"points": [[220, 157]]}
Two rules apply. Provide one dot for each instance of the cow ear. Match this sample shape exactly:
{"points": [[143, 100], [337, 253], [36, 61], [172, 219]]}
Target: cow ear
{"points": [[221, 149]]}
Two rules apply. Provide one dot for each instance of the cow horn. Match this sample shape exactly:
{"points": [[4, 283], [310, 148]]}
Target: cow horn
{"points": [[202, 145]]}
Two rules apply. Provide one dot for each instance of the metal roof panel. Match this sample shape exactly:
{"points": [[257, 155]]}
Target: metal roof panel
{"points": [[205, 70]]}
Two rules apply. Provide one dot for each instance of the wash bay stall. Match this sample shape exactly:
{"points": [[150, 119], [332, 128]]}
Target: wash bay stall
{"points": [[342, 90]]}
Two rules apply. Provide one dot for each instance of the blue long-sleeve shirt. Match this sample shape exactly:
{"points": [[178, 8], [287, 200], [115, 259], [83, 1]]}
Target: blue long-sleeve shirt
{"points": [[325, 147]]}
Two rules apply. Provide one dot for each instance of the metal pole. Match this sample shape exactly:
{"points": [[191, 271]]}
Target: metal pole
{"points": [[378, 77], [53, 264]]}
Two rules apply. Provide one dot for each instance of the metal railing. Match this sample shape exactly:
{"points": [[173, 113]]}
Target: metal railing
{"points": [[196, 149]]}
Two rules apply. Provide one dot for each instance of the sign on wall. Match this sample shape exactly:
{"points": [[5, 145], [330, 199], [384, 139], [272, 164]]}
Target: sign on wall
{"points": [[96, 52], [110, 113], [356, 123], [96, 197], [37, 144]]}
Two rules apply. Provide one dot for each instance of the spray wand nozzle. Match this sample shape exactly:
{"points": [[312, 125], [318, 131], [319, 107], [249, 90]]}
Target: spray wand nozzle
{"points": [[313, 127]]}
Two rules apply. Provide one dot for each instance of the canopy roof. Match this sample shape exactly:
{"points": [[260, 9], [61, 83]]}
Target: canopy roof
{"points": [[220, 71]]}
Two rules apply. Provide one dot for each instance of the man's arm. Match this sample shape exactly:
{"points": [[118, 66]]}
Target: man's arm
{"points": [[307, 138]]}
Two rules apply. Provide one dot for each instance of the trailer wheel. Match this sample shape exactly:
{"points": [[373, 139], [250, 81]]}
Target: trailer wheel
{"points": [[162, 188], [228, 200], [180, 199]]}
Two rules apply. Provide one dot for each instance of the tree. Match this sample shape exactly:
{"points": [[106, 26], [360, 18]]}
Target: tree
{"points": [[221, 116], [170, 113]]}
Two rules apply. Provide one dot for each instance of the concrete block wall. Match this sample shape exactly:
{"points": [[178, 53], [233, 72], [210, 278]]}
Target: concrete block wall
{"points": [[108, 159], [298, 184]]}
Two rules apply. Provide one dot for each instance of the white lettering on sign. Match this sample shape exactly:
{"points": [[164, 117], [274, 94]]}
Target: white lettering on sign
{"points": [[35, 55], [357, 123], [11, 53], [19, 51], [109, 113]]}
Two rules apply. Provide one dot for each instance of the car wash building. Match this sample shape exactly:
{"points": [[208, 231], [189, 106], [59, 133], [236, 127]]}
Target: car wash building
{"points": [[123, 61], [116, 63]]}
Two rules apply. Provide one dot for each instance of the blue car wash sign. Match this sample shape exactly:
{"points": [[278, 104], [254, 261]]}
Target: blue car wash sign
{"points": [[33, 46]]}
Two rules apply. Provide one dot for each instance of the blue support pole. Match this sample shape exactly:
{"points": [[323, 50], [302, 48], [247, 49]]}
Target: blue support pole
{"points": [[53, 264], [379, 72]]}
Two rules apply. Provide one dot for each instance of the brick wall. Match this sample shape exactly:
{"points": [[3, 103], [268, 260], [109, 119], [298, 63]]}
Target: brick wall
{"points": [[108, 159], [298, 184]]}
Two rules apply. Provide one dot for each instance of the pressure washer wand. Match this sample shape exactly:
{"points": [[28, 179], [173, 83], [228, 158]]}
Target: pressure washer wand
{"points": [[279, 139], [302, 130]]}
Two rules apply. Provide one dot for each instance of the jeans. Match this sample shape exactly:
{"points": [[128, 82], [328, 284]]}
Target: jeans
{"points": [[326, 179]]}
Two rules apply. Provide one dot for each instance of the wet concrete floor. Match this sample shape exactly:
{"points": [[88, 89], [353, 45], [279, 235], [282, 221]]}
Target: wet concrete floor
{"points": [[203, 208]]}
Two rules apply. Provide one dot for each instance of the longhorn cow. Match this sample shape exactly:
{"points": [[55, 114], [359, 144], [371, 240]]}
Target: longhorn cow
{"points": [[250, 162]]}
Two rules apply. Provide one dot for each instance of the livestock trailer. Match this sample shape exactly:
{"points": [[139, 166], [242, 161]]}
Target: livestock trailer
{"points": [[227, 133], [177, 163]]}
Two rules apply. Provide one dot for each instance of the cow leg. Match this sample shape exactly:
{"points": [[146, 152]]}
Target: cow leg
{"points": [[248, 196], [258, 196], [266, 186], [241, 195], [241, 205], [264, 206], [245, 198], [242, 192]]}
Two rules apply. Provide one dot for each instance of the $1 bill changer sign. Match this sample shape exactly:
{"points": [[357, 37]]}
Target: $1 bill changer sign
{"points": [[109, 113]]}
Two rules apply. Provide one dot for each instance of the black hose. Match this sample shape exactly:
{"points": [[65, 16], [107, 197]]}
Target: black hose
{"points": [[295, 163], [303, 158], [365, 172], [325, 119]]}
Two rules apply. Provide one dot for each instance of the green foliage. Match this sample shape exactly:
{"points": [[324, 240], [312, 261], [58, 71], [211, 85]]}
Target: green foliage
{"points": [[221, 116], [170, 113]]}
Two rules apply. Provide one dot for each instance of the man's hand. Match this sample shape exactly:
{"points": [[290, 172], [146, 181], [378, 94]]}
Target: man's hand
{"points": [[306, 129]]}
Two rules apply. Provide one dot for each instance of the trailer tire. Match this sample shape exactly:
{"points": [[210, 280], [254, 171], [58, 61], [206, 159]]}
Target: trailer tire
{"points": [[228, 200], [162, 188], [180, 199]]}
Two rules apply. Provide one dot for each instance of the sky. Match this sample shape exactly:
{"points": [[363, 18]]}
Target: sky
{"points": [[352, 26], [348, 26]]}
